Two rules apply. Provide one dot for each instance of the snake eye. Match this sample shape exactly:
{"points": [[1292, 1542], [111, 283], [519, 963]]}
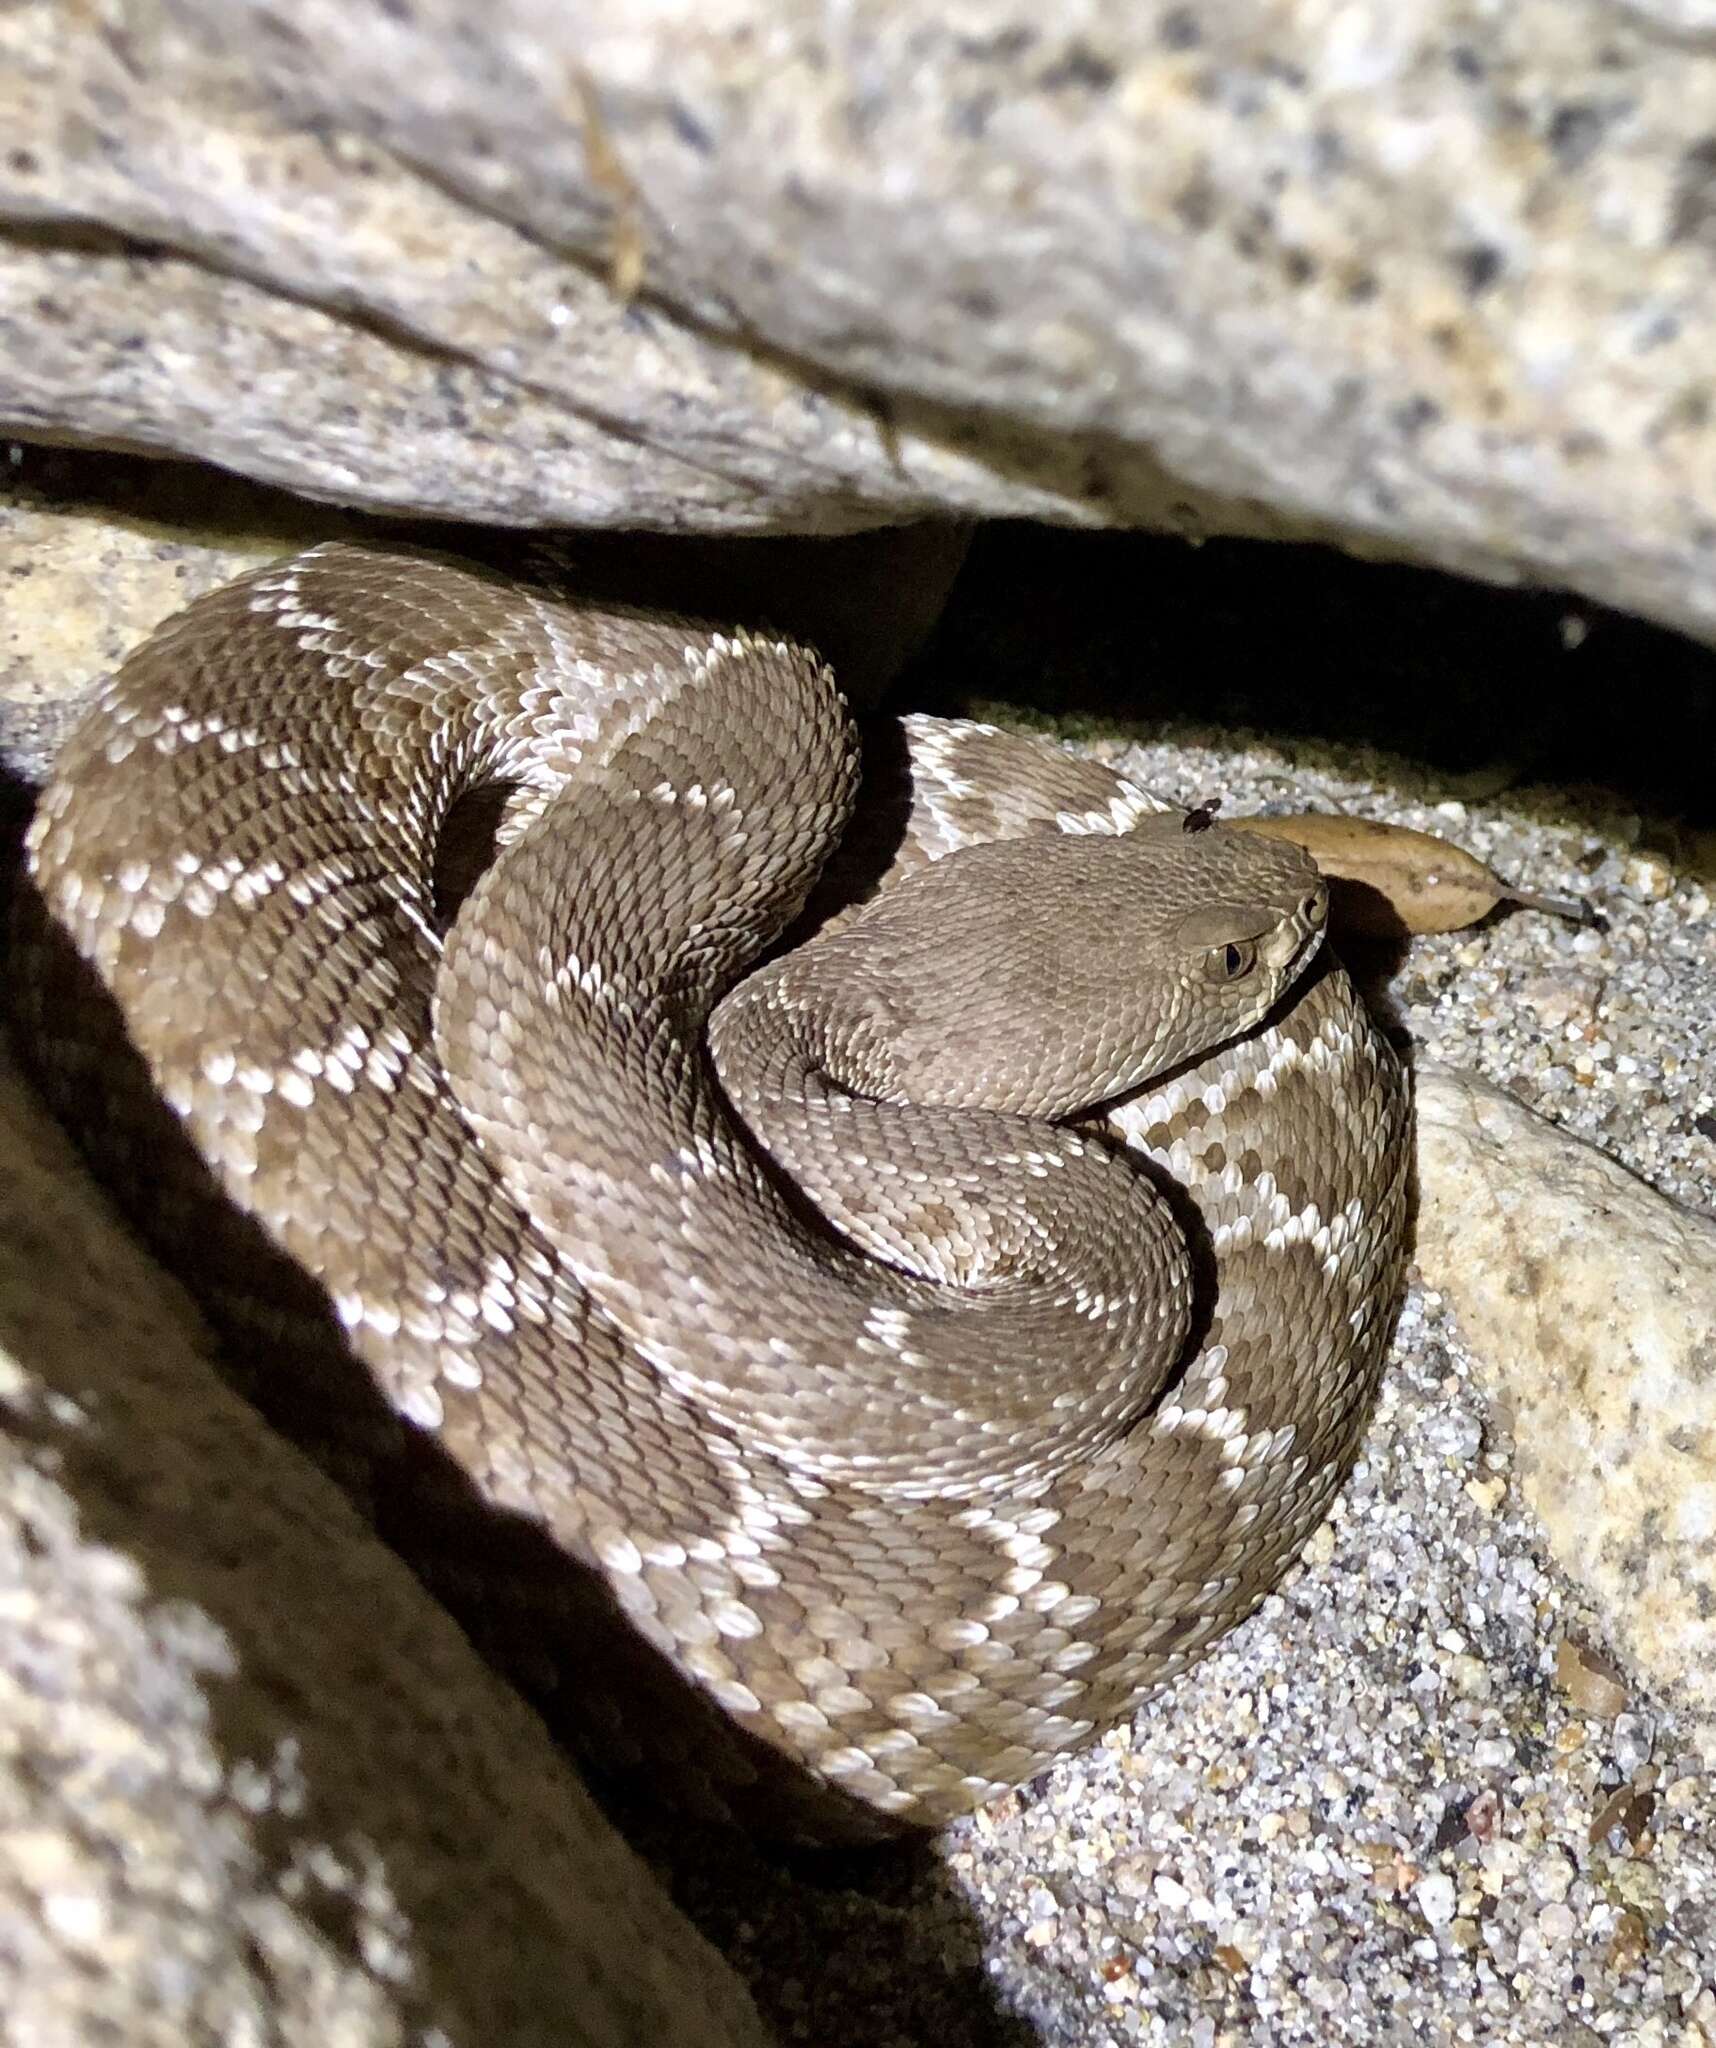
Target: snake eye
{"points": [[1233, 961]]}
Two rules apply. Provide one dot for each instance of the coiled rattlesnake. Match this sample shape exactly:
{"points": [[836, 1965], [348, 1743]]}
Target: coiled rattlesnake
{"points": [[920, 1491]]}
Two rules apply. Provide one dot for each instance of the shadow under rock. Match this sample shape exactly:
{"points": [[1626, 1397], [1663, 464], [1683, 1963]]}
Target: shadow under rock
{"points": [[1305, 644]]}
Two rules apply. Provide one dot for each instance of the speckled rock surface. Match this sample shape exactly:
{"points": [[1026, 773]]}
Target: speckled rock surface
{"points": [[253, 1784], [1590, 1303], [1433, 281], [1693, 19]]}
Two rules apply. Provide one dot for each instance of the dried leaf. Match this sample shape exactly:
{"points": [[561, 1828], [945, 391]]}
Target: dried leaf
{"points": [[1389, 882]]}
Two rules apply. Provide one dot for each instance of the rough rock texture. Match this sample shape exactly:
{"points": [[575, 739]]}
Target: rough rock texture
{"points": [[1433, 281], [1589, 1303], [253, 1784]]}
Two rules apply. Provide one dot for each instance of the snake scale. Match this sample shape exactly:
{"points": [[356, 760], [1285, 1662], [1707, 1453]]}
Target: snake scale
{"points": [[927, 1341]]}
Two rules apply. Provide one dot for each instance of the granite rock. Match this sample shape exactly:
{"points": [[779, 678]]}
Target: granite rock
{"points": [[1589, 1302], [1429, 284]]}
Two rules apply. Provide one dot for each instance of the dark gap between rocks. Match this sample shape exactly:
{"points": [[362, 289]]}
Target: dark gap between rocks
{"points": [[1490, 688]]}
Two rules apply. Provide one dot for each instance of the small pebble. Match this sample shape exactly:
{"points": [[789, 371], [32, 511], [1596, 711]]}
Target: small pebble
{"points": [[1556, 1924], [1551, 1876], [1590, 1681], [1435, 1897]]}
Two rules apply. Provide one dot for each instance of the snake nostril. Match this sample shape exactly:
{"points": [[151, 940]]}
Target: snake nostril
{"points": [[1314, 907]]}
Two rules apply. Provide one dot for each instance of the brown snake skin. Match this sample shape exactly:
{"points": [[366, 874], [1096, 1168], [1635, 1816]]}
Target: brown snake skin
{"points": [[920, 1501]]}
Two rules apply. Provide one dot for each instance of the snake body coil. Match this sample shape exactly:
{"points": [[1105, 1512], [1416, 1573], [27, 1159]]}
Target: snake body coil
{"points": [[916, 1414]]}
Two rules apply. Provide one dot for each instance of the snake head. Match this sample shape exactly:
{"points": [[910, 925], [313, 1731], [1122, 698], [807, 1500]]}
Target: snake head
{"points": [[1046, 975]]}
